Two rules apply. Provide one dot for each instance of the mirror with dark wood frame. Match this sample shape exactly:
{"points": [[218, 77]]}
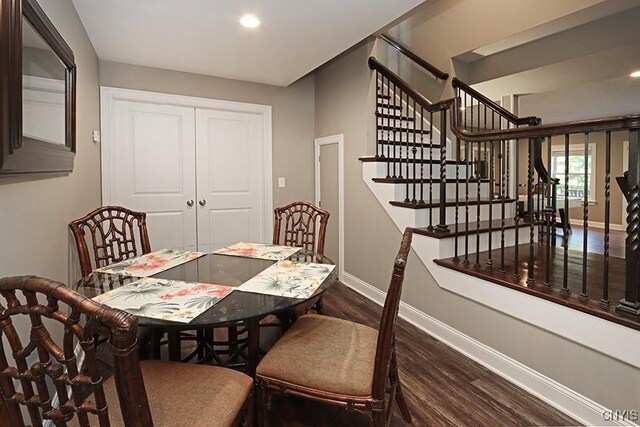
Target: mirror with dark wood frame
{"points": [[37, 93]]}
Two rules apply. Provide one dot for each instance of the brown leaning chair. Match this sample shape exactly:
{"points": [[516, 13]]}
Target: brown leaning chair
{"points": [[340, 362], [116, 234], [113, 231], [138, 394], [302, 225]]}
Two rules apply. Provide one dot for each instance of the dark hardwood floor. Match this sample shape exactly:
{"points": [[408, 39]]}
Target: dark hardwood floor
{"points": [[443, 387]]}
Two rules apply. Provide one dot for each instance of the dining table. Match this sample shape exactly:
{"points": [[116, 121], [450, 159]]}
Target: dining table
{"points": [[237, 309]]}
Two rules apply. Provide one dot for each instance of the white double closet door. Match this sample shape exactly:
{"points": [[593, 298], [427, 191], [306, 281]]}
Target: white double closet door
{"points": [[198, 173]]}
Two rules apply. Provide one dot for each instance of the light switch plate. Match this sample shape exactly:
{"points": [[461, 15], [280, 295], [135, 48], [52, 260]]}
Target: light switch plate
{"points": [[96, 136], [281, 182]]}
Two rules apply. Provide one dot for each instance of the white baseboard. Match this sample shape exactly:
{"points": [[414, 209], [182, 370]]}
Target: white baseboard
{"points": [[555, 394], [595, 224]]}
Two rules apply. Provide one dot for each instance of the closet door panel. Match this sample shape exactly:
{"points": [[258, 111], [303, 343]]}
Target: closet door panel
{"points": [[153, 156], [227, 226], [229, 170]]}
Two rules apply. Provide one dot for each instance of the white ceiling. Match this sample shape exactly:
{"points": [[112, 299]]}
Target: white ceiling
{"points": [[204, 36], [580, 17]]}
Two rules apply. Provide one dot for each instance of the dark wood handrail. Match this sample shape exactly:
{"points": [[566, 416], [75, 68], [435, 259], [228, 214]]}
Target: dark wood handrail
{"points": [[582, 126], [374, 64], [441, 75], [531, 120]]}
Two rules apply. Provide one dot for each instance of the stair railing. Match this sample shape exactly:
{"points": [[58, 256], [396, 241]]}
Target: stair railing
{"points": [[409, 151], [492, 161], [437, 73], [574, 189], [485, 143]]}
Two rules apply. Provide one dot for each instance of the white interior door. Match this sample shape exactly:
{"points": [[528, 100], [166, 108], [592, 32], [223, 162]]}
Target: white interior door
{"points": [[152, 169], [229, 165]]}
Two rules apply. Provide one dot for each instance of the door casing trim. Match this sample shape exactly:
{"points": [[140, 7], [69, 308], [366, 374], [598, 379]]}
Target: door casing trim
{"points": [[327, 140]]}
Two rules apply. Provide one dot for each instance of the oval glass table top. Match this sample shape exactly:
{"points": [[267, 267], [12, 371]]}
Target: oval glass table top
{"points": [[220, 270]]}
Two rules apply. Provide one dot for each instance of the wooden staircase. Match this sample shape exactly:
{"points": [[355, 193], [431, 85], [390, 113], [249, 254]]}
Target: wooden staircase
{"points": [[408, 159], [452, 171]]}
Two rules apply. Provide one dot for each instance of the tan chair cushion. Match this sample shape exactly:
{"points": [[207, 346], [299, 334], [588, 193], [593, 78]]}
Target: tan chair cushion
{"points": [[183, 394], [324, 353]]}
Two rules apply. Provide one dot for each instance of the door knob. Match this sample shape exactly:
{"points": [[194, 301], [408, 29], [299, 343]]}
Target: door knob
{"points": [[202, 202], [189, 203]]}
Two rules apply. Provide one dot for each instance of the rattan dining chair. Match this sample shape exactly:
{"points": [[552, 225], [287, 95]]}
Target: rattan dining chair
{"points": [[303, 225], [139, 394], [339, 362], [116, 234]]}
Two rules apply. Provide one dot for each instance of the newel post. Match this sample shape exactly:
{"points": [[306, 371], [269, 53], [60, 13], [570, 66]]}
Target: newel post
{"points": [[630, 185]]}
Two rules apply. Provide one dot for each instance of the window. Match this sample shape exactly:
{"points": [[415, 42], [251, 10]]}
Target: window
{"points": [[577, 163]]}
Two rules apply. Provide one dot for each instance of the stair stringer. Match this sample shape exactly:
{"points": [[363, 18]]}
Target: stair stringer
{"points": [[609, 338]]}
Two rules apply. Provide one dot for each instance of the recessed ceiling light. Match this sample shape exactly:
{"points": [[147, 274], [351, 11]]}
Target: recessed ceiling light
{"points": [[250, 21]]}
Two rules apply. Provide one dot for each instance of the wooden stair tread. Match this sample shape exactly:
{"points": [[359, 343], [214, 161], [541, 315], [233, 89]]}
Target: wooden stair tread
{"points": [[426, 180], [394, 107], [410, 160], [485, 226], [410, 143], [449, 202], [401, 129], [394, 117], [595, 261]]}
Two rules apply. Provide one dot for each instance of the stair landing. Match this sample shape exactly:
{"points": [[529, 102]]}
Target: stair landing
{"points": [[595, 279]]}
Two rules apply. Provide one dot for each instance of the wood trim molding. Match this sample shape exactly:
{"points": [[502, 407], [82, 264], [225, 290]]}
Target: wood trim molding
{"points": [[333, 139]]}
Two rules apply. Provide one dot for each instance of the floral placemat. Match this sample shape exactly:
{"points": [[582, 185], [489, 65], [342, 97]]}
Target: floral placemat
{"points": [[258, 250], [151, 263], [289, 279], [164, 299]]}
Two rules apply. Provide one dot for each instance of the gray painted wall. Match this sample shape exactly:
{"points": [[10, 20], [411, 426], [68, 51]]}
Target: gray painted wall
{"points": [[344, 104], [35, 212], [293, 115]]}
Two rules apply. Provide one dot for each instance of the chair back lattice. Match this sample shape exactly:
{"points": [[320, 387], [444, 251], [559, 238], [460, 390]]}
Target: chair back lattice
{"points": [[113, 231], [386, 336], [33, 369], [302, 225]]}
